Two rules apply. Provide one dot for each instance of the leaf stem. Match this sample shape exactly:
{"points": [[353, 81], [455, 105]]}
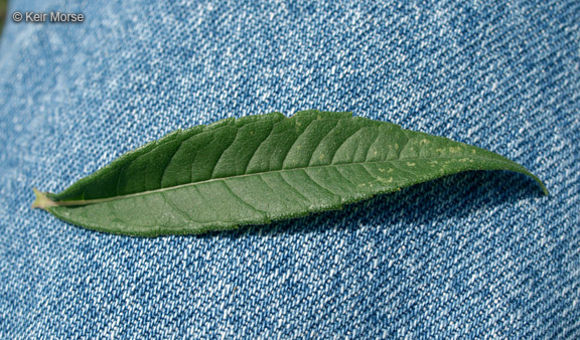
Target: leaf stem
{"points": [[42, 201]]}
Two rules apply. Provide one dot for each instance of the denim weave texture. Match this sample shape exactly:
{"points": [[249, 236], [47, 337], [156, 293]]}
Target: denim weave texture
{"points": [[476, 255]]}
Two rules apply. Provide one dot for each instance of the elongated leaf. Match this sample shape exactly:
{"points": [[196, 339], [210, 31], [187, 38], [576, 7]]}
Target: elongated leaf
{"points": [[257, 169]]}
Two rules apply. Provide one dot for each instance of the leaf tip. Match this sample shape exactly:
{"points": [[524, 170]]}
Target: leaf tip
{"points": [[41, 200], [541, 184], [544, 189]]}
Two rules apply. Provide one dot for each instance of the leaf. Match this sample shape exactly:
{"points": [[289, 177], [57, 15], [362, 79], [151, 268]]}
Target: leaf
{"points": [[257, 169]]}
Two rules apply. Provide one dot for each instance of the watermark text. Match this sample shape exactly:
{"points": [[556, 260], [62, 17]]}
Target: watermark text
{"points": [[50, 17]]}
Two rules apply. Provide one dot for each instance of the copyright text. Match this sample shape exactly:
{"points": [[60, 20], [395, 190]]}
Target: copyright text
{"points": [[51, 17]]}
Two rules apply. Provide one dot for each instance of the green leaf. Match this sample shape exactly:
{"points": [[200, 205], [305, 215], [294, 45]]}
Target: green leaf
{"points": [[257, 169]]}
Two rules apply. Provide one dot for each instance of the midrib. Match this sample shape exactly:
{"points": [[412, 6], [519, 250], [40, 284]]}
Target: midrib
{"points": [[176, 187]]}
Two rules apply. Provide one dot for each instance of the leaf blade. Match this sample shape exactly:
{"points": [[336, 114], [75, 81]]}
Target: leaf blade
{"points": [[261, 168]]}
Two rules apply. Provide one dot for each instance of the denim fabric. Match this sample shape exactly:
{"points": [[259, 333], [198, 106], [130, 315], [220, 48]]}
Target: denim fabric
{"points": [[479, 254]]}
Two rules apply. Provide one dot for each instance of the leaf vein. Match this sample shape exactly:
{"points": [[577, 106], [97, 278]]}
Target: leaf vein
{"points": [[281, 174], [173, 205], [241, 200], [344, 142], [321, 142], [258, 147], [223, 152], [169, 163], [318, 184], [281, 171], [294, 143]]}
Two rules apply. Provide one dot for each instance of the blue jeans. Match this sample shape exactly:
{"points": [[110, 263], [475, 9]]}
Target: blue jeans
{"points": [[480, 254]]}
